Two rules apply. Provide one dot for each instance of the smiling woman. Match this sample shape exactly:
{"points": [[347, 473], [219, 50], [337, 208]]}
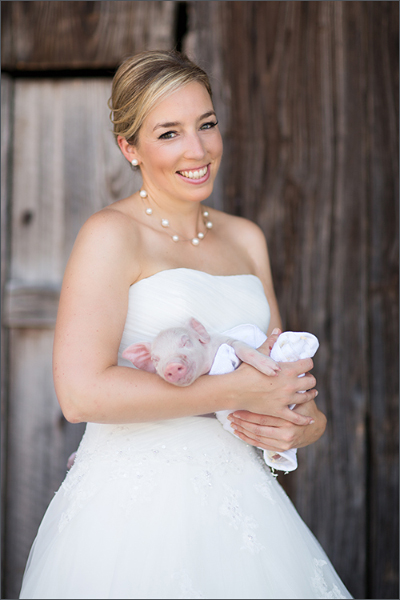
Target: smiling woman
{"points": [[178, 159], [162, 502]]}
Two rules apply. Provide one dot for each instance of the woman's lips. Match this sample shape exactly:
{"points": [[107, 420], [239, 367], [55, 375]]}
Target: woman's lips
{"points": [[192, 179]]}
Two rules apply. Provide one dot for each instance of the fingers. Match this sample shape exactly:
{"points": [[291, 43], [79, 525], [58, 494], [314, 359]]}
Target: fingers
{"points": [[304, 397], [295, 418], [303, 384], [265, 444], [257, 432], [302, 366], [295, 382], [286, 442], [266, 347], [240, 416]]}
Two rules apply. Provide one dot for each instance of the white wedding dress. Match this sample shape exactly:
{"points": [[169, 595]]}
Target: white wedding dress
{"points": [[177, 508]]}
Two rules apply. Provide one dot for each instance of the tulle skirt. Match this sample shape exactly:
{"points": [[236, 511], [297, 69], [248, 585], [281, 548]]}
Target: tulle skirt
{"points": [[174, 509]]}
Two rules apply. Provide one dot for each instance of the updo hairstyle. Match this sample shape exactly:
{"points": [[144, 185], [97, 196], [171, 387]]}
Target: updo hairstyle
{"points": [[144, 80]]}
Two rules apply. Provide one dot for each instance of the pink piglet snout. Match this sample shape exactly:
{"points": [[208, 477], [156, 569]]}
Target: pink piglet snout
{"points": [[174, 372]]}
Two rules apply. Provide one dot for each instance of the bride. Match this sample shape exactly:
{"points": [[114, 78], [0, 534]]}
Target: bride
{"points": [[162, 502]]}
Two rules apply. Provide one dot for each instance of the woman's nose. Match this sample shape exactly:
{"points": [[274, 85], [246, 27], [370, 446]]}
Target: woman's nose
{"points": [[194, 148]]}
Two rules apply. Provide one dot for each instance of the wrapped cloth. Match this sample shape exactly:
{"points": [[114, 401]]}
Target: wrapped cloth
{"points": [[290, 346]]}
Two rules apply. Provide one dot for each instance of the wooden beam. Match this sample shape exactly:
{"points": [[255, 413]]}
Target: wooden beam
{"points": [[82, 35], [30, 305]]}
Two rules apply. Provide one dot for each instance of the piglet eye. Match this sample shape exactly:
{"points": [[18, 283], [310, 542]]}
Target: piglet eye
{"points": [[155, 359], [185, 342]]}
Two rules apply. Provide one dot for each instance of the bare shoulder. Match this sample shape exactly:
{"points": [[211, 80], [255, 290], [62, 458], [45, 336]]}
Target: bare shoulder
{"points": [[234, 224], [107, 223], [246, 234], [110, 238]]}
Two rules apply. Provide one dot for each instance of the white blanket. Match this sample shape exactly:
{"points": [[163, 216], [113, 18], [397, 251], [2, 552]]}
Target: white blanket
{"points": [[290, 346]]}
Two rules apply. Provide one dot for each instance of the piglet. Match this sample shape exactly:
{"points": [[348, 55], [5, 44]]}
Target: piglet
{"points": [[181, 354]]}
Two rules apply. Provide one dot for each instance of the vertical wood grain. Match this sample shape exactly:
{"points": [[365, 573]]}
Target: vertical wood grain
{"points": [[67, 167], [311, 92], [40, 442], [287, 167], [6, 166], [383, 159]]}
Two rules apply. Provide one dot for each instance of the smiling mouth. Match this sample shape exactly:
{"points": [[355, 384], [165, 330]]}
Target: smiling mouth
{"points": [[194, 173]]}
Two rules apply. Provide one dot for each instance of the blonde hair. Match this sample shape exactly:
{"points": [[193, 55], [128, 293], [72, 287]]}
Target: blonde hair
{"points": [[142, 81]]}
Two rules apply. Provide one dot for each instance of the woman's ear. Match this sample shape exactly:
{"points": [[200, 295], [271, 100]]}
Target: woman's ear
{"points": [[128, 150]]}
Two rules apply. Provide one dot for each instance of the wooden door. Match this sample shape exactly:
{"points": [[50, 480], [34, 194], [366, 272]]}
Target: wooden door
{"points": [[307, 95]]}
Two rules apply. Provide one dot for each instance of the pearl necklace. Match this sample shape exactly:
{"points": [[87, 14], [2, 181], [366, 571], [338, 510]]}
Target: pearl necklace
{"points": [[177, 237]]}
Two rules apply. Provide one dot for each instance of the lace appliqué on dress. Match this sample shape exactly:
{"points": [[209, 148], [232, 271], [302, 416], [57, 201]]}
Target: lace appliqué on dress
{"points": [[186, 588], [319, 584], [231, 509], [115, 459], [265, 489]]}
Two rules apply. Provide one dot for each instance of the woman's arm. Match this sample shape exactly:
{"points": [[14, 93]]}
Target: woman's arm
{"points": [[92, 312]]}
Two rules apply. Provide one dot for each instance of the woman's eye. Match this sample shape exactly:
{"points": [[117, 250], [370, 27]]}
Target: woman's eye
{"points": [[169, 135], [209, 125]]}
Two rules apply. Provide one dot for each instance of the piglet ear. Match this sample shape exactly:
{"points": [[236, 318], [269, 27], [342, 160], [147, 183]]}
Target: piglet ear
{"points": [[140, 357], [201, 331]]}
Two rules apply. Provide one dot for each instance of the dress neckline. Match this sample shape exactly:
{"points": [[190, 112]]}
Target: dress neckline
{"points": [[193, 271]]}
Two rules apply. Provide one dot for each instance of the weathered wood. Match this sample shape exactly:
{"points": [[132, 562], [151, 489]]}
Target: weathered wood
{"points": [[298, 155], [383, 160], [77, 169], [33, 306], [79, 35], [40, 442], [6, 148]]}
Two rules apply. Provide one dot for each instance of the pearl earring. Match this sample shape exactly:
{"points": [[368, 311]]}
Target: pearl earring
{"points": [[134, 162]]}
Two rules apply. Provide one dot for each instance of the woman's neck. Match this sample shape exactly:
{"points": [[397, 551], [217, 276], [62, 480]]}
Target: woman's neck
{"points": [[184, 216]]}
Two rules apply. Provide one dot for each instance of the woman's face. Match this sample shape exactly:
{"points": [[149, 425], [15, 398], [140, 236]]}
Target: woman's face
{"points": [[180, 147]]}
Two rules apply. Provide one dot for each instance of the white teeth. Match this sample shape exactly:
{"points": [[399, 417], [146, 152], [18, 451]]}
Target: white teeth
{"points": [[194, 174]]}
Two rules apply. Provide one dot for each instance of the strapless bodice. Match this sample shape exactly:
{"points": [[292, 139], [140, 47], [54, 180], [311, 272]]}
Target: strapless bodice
{"points": [[171, 297]]}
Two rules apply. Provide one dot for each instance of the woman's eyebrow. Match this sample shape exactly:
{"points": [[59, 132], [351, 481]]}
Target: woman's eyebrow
{"points": [[175, 123]]}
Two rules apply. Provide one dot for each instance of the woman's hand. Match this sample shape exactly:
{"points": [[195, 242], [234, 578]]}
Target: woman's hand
{"points": [[272, 395], [276, 434], [276, 427]]}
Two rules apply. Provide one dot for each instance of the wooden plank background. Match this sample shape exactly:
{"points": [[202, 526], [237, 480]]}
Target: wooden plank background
{"points": [[307, 98], [6, 146], [311, 91], [81, 35]]}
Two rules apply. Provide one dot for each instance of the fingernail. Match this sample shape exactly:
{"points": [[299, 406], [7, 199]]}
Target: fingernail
{"points": [[235, 414], [275, 331], [316, 393], [229, 417], [311, 422]]}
